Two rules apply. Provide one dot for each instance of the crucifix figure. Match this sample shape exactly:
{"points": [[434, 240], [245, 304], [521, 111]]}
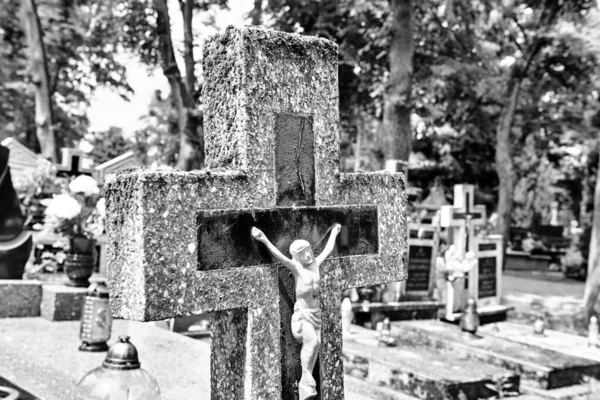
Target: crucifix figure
{"points": [[306, 320], [181, 243]]}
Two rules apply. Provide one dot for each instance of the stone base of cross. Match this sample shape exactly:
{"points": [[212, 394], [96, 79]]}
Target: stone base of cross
{"points": [[180, 243]]}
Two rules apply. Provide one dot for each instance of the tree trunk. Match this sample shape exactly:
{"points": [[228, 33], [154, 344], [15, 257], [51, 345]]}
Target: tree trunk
{"points": [[504, 164], [38, 71], [592, 284], [397, 98], [256, 13], [187, 8], [180, 96]]}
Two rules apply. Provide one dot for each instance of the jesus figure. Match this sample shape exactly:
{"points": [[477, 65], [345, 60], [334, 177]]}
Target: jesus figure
{"points": [[306, 320]]}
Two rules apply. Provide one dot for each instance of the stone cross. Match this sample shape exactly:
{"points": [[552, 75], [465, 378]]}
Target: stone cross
{"points": [[179, 243], [463, 215]]}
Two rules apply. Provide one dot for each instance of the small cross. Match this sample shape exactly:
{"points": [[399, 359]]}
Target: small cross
{"points": [[72, 163], [180, 243]]}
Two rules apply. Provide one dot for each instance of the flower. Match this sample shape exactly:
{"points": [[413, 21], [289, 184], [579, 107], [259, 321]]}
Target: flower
{"points": [[63, 206], [101, 207], [84, 184]]}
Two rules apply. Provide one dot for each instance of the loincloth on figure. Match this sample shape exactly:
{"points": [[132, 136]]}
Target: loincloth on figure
{"points": [[312, 316]]}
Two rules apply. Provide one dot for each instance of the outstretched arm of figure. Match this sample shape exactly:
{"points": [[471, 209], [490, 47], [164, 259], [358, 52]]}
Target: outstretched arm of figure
{"points": [[330, 244], [261, 237]]}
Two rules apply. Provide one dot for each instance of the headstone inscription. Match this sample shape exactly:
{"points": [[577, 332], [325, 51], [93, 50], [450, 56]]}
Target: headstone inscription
{"points": [[423, 242], [180, 243], [487, 276]]}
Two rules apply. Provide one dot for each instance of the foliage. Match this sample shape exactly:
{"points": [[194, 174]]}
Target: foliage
{"points": [[573, 258], [35, 186], [157, 142], [107, 145], [81, 53]]}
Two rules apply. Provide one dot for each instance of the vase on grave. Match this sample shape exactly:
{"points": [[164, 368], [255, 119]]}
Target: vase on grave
{"points": [[119, 377], [15, 242], [79, 262]]}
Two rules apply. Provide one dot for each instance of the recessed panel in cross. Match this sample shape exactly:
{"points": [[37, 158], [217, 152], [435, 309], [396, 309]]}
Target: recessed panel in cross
{"points": [[294, 160], [225, 241]]}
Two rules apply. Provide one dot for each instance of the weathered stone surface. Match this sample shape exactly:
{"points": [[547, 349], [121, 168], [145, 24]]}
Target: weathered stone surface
{"points": [[420, 372], [20, 298], [252, 78], [539, 367], [62, 303]]}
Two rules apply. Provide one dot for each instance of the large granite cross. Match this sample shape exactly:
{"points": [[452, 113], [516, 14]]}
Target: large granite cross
{"points": [[179, 243]]}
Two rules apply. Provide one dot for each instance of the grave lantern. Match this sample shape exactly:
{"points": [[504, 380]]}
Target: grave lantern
{"points": [[119, 377], [96, 320]]}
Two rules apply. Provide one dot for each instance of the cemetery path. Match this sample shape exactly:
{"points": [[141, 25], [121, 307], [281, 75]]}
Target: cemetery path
{"points": [[550, 293], [542, 284]]}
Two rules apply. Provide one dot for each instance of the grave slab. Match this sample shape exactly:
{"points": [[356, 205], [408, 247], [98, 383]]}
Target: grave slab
{"points": [[538, 367], [42, 357], [61, 303], [419, 372], [573, 345], [20, 298]]}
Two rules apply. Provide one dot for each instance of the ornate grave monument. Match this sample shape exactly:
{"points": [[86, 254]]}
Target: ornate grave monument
{"points": [[181, 243], [483, 282]]}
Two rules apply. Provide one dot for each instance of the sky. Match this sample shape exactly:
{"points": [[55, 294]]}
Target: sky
{"points": [[107, 108]]}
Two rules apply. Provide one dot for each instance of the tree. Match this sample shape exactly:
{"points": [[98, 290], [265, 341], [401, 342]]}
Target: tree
{"points": [[80, 56], [397, 98], [38, 71], [147, 32], [592, 287], [108, 144]]}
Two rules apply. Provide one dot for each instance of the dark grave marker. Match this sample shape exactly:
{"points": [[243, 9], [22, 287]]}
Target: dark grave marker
{"points": [[423, 244], [488, 273], [487, 282]]}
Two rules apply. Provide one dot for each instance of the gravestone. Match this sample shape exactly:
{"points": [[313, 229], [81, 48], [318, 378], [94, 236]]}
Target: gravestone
{"points": [[423, 244], [461, 219], [180, 243]]}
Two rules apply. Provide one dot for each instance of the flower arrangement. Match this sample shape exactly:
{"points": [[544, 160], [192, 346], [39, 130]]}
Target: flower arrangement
{"points": [[453, 265], [75, 214]]}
